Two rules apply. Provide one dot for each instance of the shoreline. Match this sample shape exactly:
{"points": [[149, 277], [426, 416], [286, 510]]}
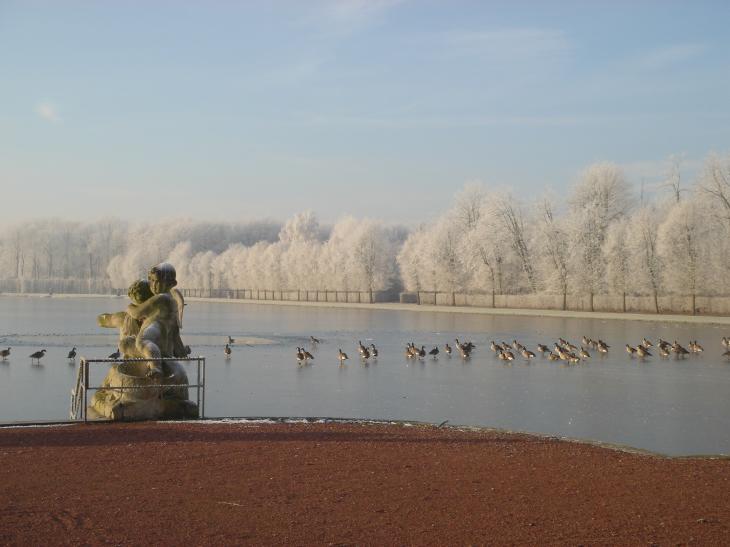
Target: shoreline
{"points": [[303, 420], [469, 310]]}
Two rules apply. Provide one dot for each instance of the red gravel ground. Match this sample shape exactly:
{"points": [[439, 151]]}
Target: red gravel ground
{"points": [[343, 484]]}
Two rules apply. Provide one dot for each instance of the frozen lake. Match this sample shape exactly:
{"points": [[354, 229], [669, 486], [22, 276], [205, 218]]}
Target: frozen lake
{"points": [[669, 406]]}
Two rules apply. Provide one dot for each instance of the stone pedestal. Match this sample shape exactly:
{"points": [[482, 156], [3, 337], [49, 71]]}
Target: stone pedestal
{"points": [[149, 403]]}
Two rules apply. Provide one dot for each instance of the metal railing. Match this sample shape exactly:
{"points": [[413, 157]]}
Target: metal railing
{"points": [[80, 393]]}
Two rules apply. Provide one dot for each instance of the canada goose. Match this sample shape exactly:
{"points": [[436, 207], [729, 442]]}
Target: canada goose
{"points": [[422, 352], [509, 356], [37, 355], [314, 340], [573, 359], [227, 351], [663, 351], [373, 351], [586, 341], [726, 342], [434, 352], [630, 350], [602, 346], [642, 352], [447, 349], [570, 346], [115, 355], [527, 354], [4, 353], [231, 340], [307, 356], [495, 347], [516, 345], [584, 353], [679, 350], [552, 357], [542, 348], [360, 347], [342, 356], [646, 343], [72, 354], [695, 347], [365, 353]]}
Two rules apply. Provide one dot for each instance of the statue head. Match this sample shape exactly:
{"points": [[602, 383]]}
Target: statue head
{"points": [[139, 291], [162, 278]]}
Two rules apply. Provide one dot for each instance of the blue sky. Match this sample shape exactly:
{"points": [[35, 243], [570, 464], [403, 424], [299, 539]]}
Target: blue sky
{"points": [[381, 108]]}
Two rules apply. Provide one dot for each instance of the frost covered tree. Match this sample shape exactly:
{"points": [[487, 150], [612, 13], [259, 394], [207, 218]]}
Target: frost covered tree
{"points": [[554, 243], [617, 257], [682, 245], [643, 231], [601, 197], [513, 222]]}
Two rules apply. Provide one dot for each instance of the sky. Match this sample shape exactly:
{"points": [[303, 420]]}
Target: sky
{"points": [[381, 108]]}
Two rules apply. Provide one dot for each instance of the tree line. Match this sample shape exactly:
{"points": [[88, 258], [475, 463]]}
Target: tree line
{"points": [[599, 238]]}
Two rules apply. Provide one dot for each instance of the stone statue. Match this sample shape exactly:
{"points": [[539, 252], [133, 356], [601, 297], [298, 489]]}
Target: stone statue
{"points": [[148, 329]]}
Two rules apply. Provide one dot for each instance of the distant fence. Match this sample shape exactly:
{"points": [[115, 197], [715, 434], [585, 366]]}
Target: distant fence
{"points": [[312, 295], [702, 305]]}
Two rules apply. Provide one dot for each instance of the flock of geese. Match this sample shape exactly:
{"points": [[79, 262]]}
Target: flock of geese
{"points": [[562, 350]]}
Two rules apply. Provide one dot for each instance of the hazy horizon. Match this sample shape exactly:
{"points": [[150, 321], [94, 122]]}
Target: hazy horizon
{"points": [[380, 109]]}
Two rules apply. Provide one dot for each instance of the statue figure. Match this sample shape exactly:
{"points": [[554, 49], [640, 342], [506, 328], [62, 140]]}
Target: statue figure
{"points": [[148, 329], [161, 316], [128, 326]]}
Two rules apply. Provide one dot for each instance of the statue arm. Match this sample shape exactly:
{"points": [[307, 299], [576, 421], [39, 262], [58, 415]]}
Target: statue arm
{"points": [[111, 320], [146, 308]]}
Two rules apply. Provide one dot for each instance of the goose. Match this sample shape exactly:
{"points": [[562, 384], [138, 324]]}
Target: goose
{"points": [[4, 353], [342, 356], [38, 355], [584, 353], [447, 349], [570, 346], [726, 342], [227, 351], [527, 354], [542, 348], [495, 347], [422, 352], [307, 356], [360, 347], [72, 354], [602, 346], [663, 351], [434, 352], [365, 354], [231, 340], [314, 340], [573, 359], [373, 351], [695, 347], [678, 349], [409, 353], [115, 355], [464, 351], [646, 343], [300, 355], [552, 357], [586, 341], [642, 352], [630, 350]]}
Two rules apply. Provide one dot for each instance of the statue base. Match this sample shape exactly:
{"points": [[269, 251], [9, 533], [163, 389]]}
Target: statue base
{"points": [[147, 402]]}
